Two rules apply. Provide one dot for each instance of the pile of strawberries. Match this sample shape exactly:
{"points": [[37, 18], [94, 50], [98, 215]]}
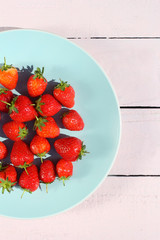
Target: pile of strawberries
{"points": [[21, 109]]}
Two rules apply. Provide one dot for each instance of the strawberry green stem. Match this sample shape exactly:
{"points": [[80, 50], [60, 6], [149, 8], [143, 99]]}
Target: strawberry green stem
{"points": [[63, 182], [5, 67], [5, 62], [23, 193], [38, 73], [3, 91], [83, 151], [62, 85], [63, 179], [6, 185], [46, 187], [40, 122], [26, 170], [24, 166], [6, 103], [42, 155], [39, 104], [23, 132], [25, 190], [2, 167], [41, 159]]}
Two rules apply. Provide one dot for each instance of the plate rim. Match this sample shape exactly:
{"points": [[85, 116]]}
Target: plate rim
{"points": [[119, 120]]}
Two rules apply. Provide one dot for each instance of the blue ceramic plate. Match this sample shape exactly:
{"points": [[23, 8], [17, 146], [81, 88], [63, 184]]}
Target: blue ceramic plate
{"points": [[96, 103]]}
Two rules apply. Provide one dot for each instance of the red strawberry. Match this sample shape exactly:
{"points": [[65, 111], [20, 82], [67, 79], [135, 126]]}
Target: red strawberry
{"points": [[21, 109], [37, 83], [65, 94], [8, 76], [29, 182], [47, 173], [11, 174], [40, 146], [2, 176], [72, 120], [47, 105], [3, 151], [64, 170], [8, 178], [21, 155], [5, 97], [70, 148], [16, 131], [46, 127]]}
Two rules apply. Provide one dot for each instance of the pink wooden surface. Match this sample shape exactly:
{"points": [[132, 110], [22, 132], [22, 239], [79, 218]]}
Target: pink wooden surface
{"points": [[126, 205]]}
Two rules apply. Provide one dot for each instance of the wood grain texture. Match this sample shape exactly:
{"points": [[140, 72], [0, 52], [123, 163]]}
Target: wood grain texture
{"points": [[132, 66], [140, 146], [120, 209], [84, 18]]}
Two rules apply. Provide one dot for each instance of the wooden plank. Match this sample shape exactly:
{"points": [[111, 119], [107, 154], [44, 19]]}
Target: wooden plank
{"points": [[84, 18], [122, 208], [133, 67], [140, 145]]}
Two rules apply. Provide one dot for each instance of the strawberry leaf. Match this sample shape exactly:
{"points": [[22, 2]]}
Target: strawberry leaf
{"points": [[62, 85], [23, 132], [24, 166], [39, 74], [63, 178], [25, 190], [39, 104], [6, 185], [40, 122], [41, 155], [5, 67], [2, 167], [83, 151], [12, 107], [3, 91]]}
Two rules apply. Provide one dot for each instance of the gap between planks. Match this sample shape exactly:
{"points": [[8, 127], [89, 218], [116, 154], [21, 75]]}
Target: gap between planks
{"points": [[139, 107], [133, 175], [93, 37], [113, 38]]}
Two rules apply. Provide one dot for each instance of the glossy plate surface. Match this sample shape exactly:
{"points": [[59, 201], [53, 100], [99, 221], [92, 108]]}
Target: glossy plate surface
{"points": [[96, 103]]}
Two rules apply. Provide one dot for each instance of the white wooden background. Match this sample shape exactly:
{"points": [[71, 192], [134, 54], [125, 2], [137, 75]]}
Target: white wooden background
{"points": [[124, 37]]}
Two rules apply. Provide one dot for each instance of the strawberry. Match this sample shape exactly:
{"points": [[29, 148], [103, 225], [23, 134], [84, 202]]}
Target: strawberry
{"points": [[40, 146], [65, 94], [2, 176], [29, 182], [70, 148], [8, 178], [47, 173], [64, 170], [37, 83], [72, 120], [21, 155], [8, 76], [47, 105], [5, 96], [46, 127], [11, 174], [16, 131], [21, 109], [3, 151]]}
